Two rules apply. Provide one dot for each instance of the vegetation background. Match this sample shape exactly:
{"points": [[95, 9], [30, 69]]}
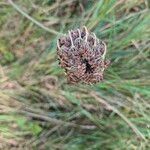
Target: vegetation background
{"points": [[40, 110]]}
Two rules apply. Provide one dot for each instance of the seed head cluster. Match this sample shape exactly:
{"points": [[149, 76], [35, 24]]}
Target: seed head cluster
{"points": [[82, 55]]}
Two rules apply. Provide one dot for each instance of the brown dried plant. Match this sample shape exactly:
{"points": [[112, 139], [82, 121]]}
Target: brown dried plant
{"points": [[82, 55]]}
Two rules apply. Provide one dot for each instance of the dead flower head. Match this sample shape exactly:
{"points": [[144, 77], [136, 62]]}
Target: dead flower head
{"points": [[82, 55]]}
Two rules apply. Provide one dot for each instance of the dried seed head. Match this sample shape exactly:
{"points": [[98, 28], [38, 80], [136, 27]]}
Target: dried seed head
{"points": [[82, 55]]}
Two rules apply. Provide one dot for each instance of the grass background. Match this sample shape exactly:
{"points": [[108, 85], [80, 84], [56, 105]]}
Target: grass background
{"points": [[40, 110]]}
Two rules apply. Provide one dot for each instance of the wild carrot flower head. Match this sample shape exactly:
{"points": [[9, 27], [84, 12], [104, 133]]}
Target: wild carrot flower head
{"points": [[82, 55]]}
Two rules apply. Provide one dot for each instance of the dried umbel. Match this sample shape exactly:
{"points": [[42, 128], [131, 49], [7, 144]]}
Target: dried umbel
{"points": [[82, 55]]}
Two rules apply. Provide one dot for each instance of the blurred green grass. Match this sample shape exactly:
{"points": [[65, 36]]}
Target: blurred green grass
{"points": [[38, 109]]}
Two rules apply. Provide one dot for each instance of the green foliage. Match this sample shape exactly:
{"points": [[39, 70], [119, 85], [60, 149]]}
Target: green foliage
{"points": [[39, 109], [7, 56]]}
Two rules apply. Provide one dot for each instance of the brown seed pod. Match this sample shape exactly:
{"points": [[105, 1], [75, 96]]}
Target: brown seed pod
{"points": [[82, 55]]}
